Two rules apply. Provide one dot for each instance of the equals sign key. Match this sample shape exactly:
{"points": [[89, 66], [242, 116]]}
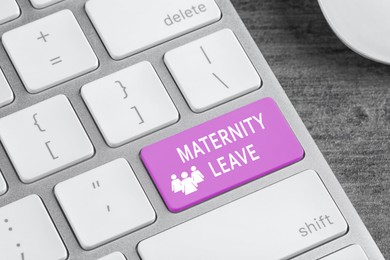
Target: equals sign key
{"points": [[56, 60]]}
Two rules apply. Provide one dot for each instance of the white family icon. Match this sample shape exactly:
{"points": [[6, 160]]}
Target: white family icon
{"points": [[188, 184]]}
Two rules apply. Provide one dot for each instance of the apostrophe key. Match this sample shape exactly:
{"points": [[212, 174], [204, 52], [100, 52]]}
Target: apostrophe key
{"points": [[117, 205]]}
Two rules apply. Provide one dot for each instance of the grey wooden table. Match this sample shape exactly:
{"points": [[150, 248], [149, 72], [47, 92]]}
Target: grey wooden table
{"points": [[343, 99]]}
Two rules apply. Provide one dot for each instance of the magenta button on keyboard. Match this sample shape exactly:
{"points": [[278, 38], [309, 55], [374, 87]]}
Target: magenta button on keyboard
{"points": [[221, 154]]}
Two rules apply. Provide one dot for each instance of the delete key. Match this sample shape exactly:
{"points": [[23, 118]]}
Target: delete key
{"points": [[221, 154]]}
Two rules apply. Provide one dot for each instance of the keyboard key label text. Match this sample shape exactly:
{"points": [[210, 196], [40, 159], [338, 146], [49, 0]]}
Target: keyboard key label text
{"points": [[221, 154]]}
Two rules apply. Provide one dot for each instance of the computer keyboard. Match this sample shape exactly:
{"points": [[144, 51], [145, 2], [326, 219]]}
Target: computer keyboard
{"points": [[156, 130]]}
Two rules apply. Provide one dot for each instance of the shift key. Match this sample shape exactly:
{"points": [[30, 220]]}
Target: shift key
{"points": [[221, 154], [279, 222]]}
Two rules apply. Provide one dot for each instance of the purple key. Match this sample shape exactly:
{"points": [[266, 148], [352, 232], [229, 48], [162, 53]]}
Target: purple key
{"points": [[221, 154]]}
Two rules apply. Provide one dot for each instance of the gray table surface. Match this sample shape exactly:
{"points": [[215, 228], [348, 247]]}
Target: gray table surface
{"points": [[343, 99]]}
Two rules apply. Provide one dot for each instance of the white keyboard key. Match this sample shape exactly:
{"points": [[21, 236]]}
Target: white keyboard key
{"points": [[3, 185], [128, 26], [6, 94], [9, 10], [212, 70], [117, 205], [49, 51], [43, 3], [129, 104], [278, 222], [353, 252], [44, 138], [113, 256], [27, 232]]}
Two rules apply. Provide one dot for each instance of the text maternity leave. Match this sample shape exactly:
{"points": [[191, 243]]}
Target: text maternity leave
{"points": [[222, 138]]}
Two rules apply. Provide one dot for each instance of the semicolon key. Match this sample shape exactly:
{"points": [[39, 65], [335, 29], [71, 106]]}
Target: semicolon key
{"points": [[34, 235]]}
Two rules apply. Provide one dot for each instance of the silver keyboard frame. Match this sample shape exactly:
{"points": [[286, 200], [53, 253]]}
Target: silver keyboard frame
{"points": [[357, 233]]}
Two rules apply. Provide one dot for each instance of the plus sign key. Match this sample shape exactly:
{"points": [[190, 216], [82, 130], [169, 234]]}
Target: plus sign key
{"points": [[43, 37], [49, 51]]}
